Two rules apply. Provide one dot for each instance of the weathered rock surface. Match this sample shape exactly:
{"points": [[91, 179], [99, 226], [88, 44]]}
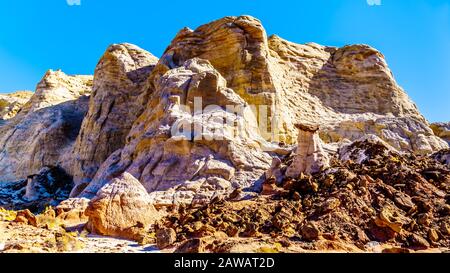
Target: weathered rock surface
{"points": [[389, 197], [404, 133], [442, 130], [168, 138], [306, 83], [119, 97], [120, 206], [46, 127], [10, 104], [350, 91], [310, 156]]}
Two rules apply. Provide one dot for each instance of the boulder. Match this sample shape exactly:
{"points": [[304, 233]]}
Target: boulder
{"points": [[72, 211], [119, 206], [165, 237]]}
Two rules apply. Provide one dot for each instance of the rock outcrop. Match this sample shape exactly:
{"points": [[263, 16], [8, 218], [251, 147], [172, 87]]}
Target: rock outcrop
{"points": [[304, 83], [310, 156], [44, 130], [120, 206], [119, 97], [10, 104], [442, 130], [275, 84], [168, 138]]}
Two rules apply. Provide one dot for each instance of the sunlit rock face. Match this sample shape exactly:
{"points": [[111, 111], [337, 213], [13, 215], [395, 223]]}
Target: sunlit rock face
{"points": [[44, 130], [118, 98], [310, 156], [10, 104], [442, 130], [349, 92], [143, 117]]}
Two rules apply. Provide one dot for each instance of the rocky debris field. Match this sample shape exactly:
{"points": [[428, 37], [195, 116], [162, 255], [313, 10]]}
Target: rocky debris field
{"points": [[392, 199], [370, 199]]}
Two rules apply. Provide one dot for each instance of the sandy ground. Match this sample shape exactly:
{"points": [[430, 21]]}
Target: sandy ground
{"points": [[24, 238]]}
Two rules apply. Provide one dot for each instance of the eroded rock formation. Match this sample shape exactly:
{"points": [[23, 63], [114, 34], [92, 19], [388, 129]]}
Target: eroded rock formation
{"points": [[310, 156], [120, 206], [350, 91], [442, 130], [119, 97], [11, 104], [214, 158], [43, 132]]}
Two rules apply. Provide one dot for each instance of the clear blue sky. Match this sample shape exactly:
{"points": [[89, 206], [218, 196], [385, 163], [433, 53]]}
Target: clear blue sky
{"points": [[36, 35]]}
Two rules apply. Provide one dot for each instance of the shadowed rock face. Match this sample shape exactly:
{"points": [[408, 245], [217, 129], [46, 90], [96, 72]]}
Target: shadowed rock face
{"points": [[118, 98], [43, 132]]}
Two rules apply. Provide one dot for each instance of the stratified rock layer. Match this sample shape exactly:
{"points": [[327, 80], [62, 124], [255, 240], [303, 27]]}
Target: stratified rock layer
{"points": [[43, 132], [11, 104], [171, 164], [442, 130], [118, 98], [349, 91]]}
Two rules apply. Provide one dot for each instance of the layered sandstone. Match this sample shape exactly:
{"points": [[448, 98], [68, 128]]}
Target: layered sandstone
{"points": [[118, 98], [349, 91], [184, 156], [44, 130], [442, 130], [10, 104], [303, 83]]}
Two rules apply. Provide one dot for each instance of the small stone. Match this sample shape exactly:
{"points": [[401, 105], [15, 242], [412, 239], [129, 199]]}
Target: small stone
{"points": [[433, 235], [424, 219], [418, 241], [25, 216], [196, 245], [330, 205], [445, 228], [310, 231]]}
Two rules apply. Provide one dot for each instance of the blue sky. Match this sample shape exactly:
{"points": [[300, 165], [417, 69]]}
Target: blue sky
{"points": [[36, 35]]}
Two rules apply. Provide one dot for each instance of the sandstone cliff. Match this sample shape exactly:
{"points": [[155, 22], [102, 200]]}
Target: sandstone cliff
{"points": [[10, 104], [349, 92], [141, 120], [46, 127], [118, 98]]}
